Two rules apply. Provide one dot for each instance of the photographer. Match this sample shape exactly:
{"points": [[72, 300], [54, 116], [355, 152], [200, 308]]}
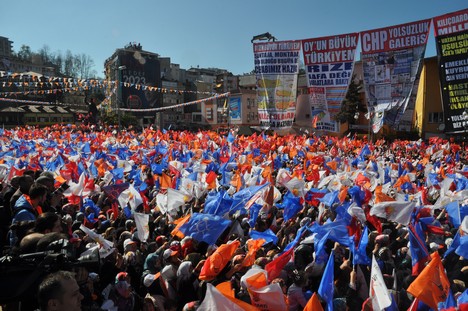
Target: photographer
{"points": [[59, 291]]}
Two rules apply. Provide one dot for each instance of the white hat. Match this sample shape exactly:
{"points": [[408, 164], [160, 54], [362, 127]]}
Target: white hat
{"points": [[127, 242], [168, 253], [149, 279]]}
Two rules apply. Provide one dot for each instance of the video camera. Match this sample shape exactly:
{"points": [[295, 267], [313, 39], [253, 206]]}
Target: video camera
{"points": [[20, 275]]}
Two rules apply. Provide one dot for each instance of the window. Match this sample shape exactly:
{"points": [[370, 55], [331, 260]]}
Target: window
{"points": [[436, 117], [209, 113], [196, 117]]}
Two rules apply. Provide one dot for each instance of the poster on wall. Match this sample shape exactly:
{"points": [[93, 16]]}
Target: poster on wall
{"points": [[235, 113], [329, 65], [451, 33], [140, 71], [276, 70], [392, 61]]}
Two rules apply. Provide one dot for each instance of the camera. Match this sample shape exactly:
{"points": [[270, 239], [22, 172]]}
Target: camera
{"points": [[21, 274], [60, 190]]}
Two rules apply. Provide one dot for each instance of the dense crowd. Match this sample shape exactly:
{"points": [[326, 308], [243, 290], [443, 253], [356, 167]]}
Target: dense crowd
{"points": [[177, 220]]}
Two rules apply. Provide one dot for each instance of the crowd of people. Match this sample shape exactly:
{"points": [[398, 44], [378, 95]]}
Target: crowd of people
{"points": [[178, 220]]}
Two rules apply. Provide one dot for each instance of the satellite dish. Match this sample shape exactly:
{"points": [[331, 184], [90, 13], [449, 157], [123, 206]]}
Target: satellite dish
{"points": [[442, 127]]}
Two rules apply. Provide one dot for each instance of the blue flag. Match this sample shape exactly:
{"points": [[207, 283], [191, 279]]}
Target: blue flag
{"points": [[205, 227], [449, 302], [217, 203], [253, 214], [294, 242], [240, 198], [419, 253], [338, 232], [360, 255], [330, 198], [267, 235], [291, 204], [326, 288], [456, 213]]}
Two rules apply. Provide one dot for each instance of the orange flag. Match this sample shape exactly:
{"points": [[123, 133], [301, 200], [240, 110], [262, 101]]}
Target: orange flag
{"points": [[380, 196], [432, 284], [361, 180], [179, 223], [236, 181], [343, 193], [256, 281], [253, 246], [274, 267], [211, 179], [165, 181], [226, 289], [313, 304], [401, 180], [218, 260]]}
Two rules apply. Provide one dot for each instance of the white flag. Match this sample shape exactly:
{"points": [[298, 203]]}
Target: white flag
{"points": [[141, 222], [269, 297], [396, 211], [175, 199], [215, 301], [296, 186], [378, 291]]}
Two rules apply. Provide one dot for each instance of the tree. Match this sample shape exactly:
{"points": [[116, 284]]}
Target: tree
{"points": [[46, 54], [352, 103], [84, 65], [25, 53], [68, 64]]}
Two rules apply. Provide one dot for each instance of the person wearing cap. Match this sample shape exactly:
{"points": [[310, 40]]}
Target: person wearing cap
{"points": [[129, 246], [187, 283], [171, 258], [121, 293]]}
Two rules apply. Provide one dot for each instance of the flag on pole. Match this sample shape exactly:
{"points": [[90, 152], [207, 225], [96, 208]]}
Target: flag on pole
{"points": [[313, 304], [218, 260], [378, 291], [432, 284], [141, 222], [396, 211], [326, 288], [215, 301]]}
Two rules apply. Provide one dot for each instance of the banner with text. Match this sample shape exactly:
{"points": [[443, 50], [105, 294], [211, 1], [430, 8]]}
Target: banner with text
{"points": [[139, 71], [276, 70], [329, 65], [451, 32], [235, 108], [392, 61]]}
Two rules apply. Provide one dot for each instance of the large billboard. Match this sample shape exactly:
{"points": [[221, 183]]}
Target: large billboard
{"points": [[329, 65], [451, 32], [392, 61], [141, 70], [276, 69]]}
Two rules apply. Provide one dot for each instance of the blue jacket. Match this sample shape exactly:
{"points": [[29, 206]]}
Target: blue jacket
{"points": [[23, 210]]}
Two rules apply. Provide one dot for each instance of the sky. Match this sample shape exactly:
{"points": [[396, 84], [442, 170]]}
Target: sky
{"points": [[204, 33]]}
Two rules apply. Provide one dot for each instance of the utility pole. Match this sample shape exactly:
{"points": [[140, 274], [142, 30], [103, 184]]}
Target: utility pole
{"points": [[119, 96]]}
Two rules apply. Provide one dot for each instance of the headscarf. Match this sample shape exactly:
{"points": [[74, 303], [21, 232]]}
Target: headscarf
{"points": [[150, 263], [184, 270]]}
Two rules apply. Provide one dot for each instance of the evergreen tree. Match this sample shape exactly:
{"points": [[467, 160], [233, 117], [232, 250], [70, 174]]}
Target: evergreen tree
{"points": [[352, 103]]}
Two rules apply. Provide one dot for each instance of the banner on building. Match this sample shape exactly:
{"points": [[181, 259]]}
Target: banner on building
{"points": [[451, 33], [235, 112], [329, 65], [276, 70], [392, 61], [140, 70]]}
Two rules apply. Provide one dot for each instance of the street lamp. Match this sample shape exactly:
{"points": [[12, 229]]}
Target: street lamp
{"points": [[119, 96]]}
